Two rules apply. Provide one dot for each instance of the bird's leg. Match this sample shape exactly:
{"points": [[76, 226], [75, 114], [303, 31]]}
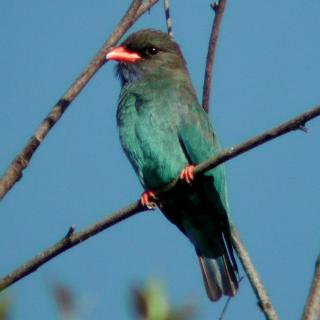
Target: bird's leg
{"points": [[147, 199], [187, 173]]}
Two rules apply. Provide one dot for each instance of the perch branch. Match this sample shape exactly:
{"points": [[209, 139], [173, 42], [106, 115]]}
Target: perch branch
{"points": [[14, 171], [296, 123], [218, 8], [73, 238], [70, 240]]}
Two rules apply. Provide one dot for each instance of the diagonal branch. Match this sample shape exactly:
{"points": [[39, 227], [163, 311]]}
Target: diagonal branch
{"points": [[264, 301], [14, 171], [296, 123], [312, 308], [74, 238], [219, 10], [70, 240], [261, 294]]}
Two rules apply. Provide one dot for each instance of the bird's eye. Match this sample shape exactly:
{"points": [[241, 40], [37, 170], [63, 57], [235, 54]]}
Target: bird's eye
{"points": [[151, 51]]}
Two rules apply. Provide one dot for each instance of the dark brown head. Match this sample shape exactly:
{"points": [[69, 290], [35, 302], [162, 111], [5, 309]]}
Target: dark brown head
{"points": [[148, 53]]}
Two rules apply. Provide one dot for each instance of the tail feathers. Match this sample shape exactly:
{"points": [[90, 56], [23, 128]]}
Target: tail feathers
{"points": [[218, 276]]}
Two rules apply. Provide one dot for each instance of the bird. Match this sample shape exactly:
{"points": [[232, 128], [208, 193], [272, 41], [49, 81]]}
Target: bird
{"points": [[165, 133]]}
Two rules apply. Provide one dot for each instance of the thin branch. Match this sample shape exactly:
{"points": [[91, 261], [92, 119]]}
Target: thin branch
{"points": [[74, 238], [14, 171], [226, 305], [219, 10], [261, 294], [67, 242], [312, 308], [264, 301], [297, 123], [168, 17]]}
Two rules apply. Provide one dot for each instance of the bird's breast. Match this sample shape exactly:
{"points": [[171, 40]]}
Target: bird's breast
{"points": [[148, 134]]}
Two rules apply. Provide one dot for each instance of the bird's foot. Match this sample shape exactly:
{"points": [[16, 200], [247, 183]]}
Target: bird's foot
{"points": [[187, 174], [147, 199]]}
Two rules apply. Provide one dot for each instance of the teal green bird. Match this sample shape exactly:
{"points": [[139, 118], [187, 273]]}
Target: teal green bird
{"points": [[165, 132]]}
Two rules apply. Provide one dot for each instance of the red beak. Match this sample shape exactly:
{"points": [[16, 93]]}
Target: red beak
{"points": [[122, 54]]}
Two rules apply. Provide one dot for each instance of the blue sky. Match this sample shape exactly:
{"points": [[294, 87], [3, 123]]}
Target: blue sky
{"points": [[267, 71]]}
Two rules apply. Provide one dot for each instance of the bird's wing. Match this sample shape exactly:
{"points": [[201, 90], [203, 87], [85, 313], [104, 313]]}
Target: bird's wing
{"points": [[199, 143]]}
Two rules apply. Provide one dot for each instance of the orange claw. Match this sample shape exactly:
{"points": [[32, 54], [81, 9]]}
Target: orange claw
{"points": [[147, 199], [187, 174]]}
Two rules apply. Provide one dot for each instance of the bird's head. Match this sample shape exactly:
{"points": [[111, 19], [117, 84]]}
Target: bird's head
{"points": [[149, 53]]}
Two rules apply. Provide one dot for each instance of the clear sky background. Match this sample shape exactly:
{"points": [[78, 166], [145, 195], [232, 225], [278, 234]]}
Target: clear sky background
{"points": [[267, 71]]}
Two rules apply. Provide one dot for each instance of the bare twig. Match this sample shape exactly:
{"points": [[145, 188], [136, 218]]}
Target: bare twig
{"points": [[68, 242], [168, 17], [312, 308], [14, 171], [264, 301], [226, 305], [227, 154], [77, 237], [70, 232], [219, 10]]}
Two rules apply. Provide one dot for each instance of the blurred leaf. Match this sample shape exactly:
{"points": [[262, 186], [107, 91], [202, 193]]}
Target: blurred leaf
{"points": [[5, 307], [64, 299], [151, 303]]}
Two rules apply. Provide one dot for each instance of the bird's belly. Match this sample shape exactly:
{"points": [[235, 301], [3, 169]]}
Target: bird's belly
{"points": [[154, 152], [162, 165]]}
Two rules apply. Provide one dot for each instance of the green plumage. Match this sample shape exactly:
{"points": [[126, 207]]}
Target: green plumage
{"points": [[162, 130]]}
